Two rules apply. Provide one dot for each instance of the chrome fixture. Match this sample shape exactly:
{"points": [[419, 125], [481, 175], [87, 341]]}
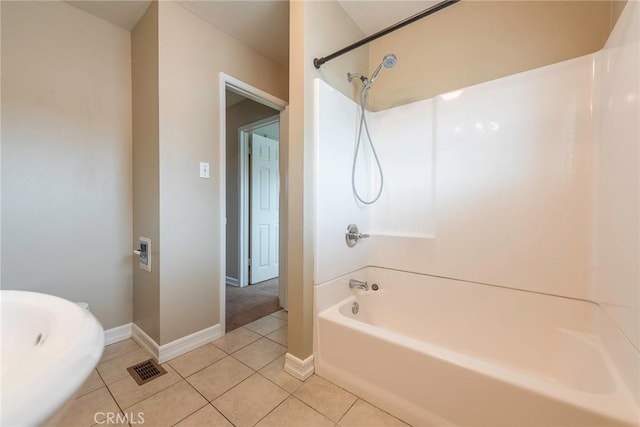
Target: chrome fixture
{"points": [[352, 235], [389, 61], [351, 76], [355, 307], [358, 284]]}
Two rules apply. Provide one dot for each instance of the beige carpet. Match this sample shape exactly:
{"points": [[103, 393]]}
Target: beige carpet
{"points": [[244, 305]]}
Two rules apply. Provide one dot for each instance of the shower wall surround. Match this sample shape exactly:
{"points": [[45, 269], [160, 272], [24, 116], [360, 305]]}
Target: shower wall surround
{"points": [[335, 119], [531, 181], [492, 186], [617, 186]]}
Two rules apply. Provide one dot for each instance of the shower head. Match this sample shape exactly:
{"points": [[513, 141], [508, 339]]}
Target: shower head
{"points": [[389, 61]]}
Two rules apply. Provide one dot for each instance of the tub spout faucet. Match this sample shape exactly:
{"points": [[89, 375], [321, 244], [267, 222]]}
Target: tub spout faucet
{"points": [[358, 284]]}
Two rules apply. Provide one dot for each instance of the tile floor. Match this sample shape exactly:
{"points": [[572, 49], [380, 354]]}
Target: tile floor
{"points": [[238, 380]]}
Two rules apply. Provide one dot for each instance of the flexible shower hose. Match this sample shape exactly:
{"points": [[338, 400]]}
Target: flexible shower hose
{"points": [[363, 124]]}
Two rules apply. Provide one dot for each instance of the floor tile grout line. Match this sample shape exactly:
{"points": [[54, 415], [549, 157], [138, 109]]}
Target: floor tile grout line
{"points": [[312, 408], [348, 409], [199, 370], [341, 388], [126, 352], [274, 383], [217, 361], [203, 396], [228, 390], [112, 396], [377, 407], [306, 404], [178, 382], [268, 315], [238, 360], [269, 379], [261, 336], [182, 419], [267, 333], [220, 412], [77, 396], [209, 402], [243, 347], [279, 329], [256, 370], [273, 409], [152, 394], [271, 339], [148, 397]]}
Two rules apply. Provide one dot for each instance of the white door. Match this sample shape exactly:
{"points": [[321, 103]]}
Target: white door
{"points": [[265, 188]]}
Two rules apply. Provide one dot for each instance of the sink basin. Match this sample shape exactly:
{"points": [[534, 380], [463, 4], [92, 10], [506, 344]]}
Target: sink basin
{"points": [[49, 346]]}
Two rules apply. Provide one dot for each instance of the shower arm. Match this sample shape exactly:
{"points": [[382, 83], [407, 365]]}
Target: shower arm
{"points": [[317, 62]]}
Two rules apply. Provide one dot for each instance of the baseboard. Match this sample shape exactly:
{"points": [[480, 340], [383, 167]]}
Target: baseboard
{"points": [[166, 352], [190, 342], [301, 369], [145, 340], [116, 334], [232, 281]]}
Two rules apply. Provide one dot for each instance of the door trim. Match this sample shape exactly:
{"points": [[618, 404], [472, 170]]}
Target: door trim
{"points": [[243, 200], [262, 97]]}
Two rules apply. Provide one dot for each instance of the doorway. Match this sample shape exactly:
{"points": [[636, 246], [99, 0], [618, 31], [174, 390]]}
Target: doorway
{"points": [[259, 190], [251, 285]]}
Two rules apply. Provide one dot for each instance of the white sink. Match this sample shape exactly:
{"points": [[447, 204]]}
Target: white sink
{"points": [[49, 348]]}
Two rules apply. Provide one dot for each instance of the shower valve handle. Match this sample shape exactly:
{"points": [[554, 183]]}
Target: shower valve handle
{"points": [[352, 235]]}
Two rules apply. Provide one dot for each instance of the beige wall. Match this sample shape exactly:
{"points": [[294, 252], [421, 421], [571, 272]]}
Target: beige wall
{"points": [[66, 165], [617, 6], [146, 173], [192, 53], [0, 150], [477, 41], [238, 115], [316, 29]]}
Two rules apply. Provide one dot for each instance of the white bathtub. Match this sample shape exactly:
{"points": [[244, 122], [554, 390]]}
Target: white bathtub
{"points": [[436, 351]]}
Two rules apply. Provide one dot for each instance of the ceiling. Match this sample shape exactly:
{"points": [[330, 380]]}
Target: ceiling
{"points": [[271, 131], [261, 24], [124, 14], [233, 98]]}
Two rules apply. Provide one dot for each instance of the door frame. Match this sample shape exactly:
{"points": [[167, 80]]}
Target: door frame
{"points": [[262, 97], [244, 207]]}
